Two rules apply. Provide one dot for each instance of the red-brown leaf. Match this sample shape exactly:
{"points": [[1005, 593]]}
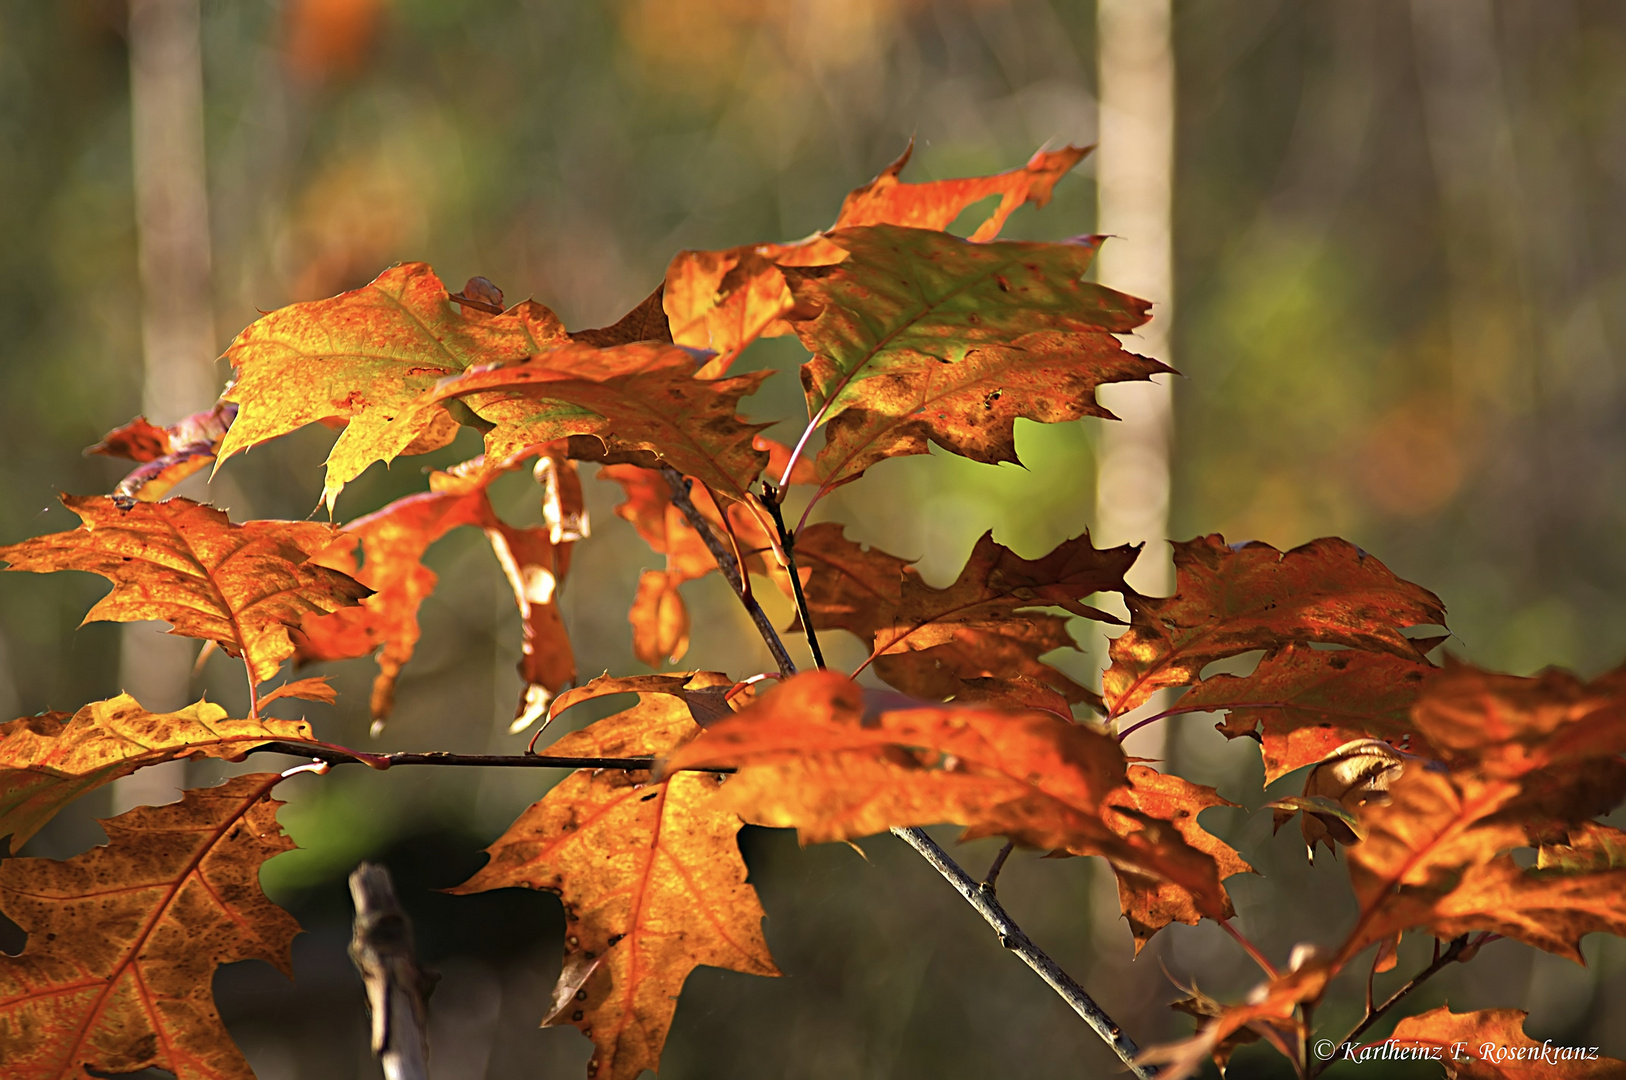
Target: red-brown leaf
{"points": [[1491, 1045]]}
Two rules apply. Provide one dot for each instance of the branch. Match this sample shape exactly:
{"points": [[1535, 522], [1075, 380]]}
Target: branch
{"points": [[334, 755], [1449, 956], [1011, 936], [787, 543], [729, 565], [396, 987]]}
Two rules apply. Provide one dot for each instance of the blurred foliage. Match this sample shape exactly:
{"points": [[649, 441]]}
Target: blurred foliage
{"points": [[1401, 270]]}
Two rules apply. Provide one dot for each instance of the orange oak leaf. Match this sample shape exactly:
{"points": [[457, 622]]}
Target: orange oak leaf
{"points": [[1272, 1011], [722, 301], [124, 940], [366, 357], [167, 455], [651, 879], [240, 586], [1491, 1045], [1234, 599], [1589, 846], [48, 761], [641, 398], [812, 756], [1303, 703], [660, 620], [927, 640], [311, 689], [1150, 904], [923, 337]]}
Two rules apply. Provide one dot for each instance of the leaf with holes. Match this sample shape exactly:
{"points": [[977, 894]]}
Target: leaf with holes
{"points": [[124, 940]]}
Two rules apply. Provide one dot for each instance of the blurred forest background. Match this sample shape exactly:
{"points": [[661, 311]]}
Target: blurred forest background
{"points": [[1400, 241]]}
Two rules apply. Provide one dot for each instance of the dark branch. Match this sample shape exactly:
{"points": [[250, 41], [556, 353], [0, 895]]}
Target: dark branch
{"points": [[1441, 960], [787, 543], [334, 756], [729, 565], [1011, 936]]}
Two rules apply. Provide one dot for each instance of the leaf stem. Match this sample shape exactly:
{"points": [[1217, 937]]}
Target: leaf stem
{"points": [[1249, 947], [1449, 956], [1011, 936], [787, 541], [729, 565]]}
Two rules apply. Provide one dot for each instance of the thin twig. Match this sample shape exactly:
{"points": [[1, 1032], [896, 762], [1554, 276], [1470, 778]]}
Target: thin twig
{"points": [[396, 987], [787, 542], [1011, 936], [1441, 960], [337, 756], [992, 876], [1252, 950], [729, 565]]}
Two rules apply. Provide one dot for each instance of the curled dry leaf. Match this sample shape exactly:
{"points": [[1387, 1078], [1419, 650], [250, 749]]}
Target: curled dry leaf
{"points": [[1353, 776], [167, 455], [124, 940], [1231, 600], [1491, 1045], [47, 761], [651, 879], [660, 620], [240, 586], [646, 322], [368, 358]]}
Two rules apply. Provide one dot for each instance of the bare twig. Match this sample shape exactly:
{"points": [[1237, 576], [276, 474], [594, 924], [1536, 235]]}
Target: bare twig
{"points": [[334, 755], [1011, 936], [992, 876], [787, 542], [396, 986], [1441, 960], [729, 565]]}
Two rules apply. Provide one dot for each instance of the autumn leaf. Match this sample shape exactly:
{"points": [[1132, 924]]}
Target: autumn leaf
{"points": [[660, 620], [167, 455], [815, 757], [646, 322], [1491, 1045], [1349, 778], [1303, 703], [48, 761], [1150, 796], [241, 586], [1272, 1011], [535, 567], [926, 640], [641, 398], [923, 337], [651, 879], [722, 301], [1589, 846], [705, 693], [1231, 600], [124, 940], [367, 357]]}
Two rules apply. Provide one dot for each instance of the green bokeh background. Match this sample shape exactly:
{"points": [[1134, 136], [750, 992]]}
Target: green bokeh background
{"points": [[1399, 315]]}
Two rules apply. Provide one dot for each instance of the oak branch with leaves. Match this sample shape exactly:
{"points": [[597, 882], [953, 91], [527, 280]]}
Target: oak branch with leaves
{"points": [[1432, 775]]}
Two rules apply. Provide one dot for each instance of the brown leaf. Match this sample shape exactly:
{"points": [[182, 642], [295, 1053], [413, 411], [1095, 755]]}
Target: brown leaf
{"points": [[240, 586], [1491, 1045], [1150, 905], [124, 940], [1232, 600], [646, 322], [651, 880], [642, 397], [50, 760], [928, 640], [702, 691], [367, 357], [1355, 775], [1203, 1007], [1304, 703], [660, 620]]}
